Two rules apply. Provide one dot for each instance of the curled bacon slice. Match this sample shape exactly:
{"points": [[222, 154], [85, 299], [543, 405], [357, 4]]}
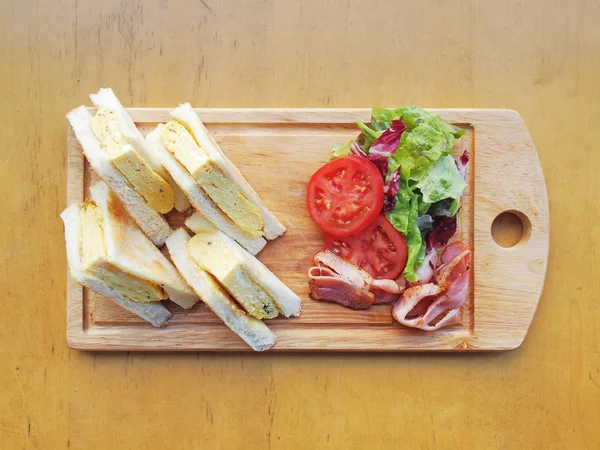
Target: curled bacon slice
{"points": [[456, 259], [388, 291], [432, 306], [452, 299], [336, 280], [396, 286], [409, 303], [383, 298], [452, 251]]}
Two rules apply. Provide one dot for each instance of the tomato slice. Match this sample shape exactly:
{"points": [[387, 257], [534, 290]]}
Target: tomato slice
{"points": [[345, 195], [379, 249]]}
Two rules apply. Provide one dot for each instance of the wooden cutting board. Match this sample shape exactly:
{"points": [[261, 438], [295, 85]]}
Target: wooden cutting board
{"points": [[278, 150]]}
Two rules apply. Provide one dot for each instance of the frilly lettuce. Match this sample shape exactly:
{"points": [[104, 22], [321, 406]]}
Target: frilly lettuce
{"points": [[369, 134], [427, 139], [430, 182], [403, 217], [441, 180], [428, 174], [339, 150]]}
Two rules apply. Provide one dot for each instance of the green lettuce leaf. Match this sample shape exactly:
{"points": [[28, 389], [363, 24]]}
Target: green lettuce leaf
{"points": [[412, 116], [446, 207], [340, 150], [370, 135], [399, 216], [442, 180], [428, 174], [454, 206], [423, 206], [418, 149], [420, 256], [414, 243], [381, 118], [427, 138], [404, 217]]}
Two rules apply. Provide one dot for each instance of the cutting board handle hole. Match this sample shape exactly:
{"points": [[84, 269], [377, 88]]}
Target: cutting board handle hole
{"points": [[511, 228]]}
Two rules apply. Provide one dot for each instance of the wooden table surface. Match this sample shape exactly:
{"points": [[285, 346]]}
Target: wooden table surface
{"points": [[540, 58]]}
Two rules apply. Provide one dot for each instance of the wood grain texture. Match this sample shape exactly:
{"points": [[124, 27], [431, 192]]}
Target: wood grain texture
{"points": [[538, 57], [277, 150]]}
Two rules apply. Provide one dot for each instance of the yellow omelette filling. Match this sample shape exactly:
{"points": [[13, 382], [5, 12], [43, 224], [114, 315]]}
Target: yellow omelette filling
{"points": [[155, 190], [93, 259], [223, 192], [210, 253]]}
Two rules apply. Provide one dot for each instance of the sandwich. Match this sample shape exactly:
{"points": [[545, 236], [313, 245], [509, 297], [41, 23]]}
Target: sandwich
{"points": [[235, 285], [253, 331], [111, 248], [208, 214], [117, 152], [154, 312], [210, 180], [258, 291]]}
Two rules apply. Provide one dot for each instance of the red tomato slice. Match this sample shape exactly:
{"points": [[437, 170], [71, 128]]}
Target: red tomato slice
{"points": [[345, 195], [379, 249]]}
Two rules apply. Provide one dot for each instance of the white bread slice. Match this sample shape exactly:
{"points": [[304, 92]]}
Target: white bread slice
{"points": [[155, 312], [131, 251], [153, 224], [199, 199], [223, 247], [254, 332], [188, 117], [106, 99]]}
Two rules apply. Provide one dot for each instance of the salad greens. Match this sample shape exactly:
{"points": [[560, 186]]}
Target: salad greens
{"points": [[417, 146], [340, 150], [441, 180]]}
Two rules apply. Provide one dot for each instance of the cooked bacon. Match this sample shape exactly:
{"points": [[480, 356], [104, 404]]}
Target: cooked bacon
{"points": [[410, 300], [432, 306], [451, 318], [456, 259], [452, 251], [382, 297], [388, 291], [334, 280], [453, 298], [396, 286]]}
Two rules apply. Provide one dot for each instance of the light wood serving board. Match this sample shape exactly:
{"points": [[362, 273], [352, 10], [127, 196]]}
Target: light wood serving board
{"points": [[278, 150]]}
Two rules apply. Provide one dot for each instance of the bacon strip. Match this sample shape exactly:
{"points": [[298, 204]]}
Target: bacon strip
{"points": [[452, 299], [452, 251], [432, 303], [383, 298], [410, 300], [336, 280], [432, 306], [388, 291]]}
